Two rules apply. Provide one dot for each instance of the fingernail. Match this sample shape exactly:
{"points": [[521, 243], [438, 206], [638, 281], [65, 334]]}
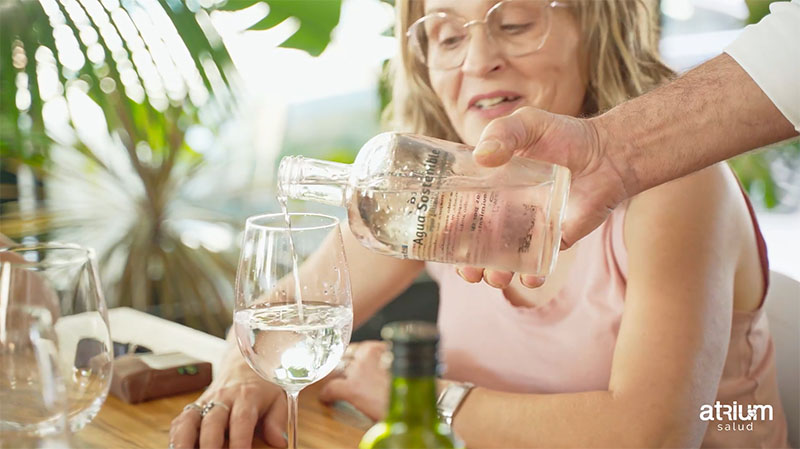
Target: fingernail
{"points": [[464, 276], [532, 281], [486, 148]]}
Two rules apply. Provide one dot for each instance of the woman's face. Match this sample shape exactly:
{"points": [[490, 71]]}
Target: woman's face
{"points": [[552, 78]]}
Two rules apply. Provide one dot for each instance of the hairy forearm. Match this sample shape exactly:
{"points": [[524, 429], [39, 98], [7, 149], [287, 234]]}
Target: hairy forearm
{"points": [[710, 114], [589, 419]]}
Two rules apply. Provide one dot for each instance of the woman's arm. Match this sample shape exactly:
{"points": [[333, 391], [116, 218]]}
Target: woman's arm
{"points": [[683, 248]]}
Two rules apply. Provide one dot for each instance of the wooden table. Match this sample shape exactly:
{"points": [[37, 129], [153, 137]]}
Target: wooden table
{"points": [[146, 425]]}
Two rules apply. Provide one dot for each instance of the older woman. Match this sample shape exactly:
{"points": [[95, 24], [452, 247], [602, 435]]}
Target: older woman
{"points": [[647, 322]]}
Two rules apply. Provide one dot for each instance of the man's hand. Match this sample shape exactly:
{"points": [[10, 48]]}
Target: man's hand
{"points": [[598, 183]]}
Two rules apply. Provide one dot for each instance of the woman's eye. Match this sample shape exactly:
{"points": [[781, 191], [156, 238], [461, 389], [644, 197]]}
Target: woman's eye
{"points": [[450, 42], [516, 28]]}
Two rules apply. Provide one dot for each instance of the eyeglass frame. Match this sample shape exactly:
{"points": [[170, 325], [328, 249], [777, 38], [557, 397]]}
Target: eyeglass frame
{"points": [[485, 22]]}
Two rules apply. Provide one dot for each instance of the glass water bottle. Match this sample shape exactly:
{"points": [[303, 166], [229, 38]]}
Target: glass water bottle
{"points": [[422, 198]]}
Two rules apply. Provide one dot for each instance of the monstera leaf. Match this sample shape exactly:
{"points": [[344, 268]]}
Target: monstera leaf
{"points": [[317, 20]]}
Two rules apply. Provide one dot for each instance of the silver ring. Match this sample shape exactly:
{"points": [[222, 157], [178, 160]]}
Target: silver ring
{"points": [[210, 405], [347, 357], [171, 445], [194, 406], [341, 367]]}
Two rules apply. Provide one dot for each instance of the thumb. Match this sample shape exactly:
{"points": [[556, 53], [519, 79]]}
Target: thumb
{"points": [[504, 136]]}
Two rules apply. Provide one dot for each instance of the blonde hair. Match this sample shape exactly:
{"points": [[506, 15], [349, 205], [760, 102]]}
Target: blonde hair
{"points": [[619, 38]]}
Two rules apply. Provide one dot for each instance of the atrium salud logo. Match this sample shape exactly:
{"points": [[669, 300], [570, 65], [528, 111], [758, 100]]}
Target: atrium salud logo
{"points": [[736, 416]]}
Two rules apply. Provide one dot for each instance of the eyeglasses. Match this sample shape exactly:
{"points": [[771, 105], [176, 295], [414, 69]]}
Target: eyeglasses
{"points": [[517, 27]]}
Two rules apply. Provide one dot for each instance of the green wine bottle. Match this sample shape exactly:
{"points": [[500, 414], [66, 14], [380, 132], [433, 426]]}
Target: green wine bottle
{"points": [[412, 420]]}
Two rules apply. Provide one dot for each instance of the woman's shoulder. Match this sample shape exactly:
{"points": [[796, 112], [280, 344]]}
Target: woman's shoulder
{"points": [[708, 202], [699, 196], [701, 229]]}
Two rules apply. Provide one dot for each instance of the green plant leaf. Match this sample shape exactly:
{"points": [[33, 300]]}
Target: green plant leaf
{"points": [[761, 176], [235, 5], [199, 43], [317, 19], [758, 9]]}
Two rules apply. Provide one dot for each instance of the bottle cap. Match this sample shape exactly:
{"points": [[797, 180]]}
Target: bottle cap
{"points": [[414, 348]]}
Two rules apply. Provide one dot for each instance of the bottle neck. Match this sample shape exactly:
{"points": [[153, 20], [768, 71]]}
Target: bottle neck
{"points": [[315, 180], [413, 401]]}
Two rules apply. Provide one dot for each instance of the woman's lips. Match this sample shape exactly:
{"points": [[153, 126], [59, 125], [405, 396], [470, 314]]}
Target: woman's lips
{"points": [[498, 110]]}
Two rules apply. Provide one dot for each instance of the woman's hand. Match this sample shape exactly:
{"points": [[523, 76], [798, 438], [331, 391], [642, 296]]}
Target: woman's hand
{"points": [[363, 381], [245, 402]]}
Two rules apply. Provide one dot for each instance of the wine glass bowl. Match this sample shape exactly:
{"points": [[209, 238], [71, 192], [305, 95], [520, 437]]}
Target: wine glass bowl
{"points": [[32, 391], [289, 352], [60, 281], [293, 325]]}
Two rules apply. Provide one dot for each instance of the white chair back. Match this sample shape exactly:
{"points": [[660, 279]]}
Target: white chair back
{"points": [[783, 313]]}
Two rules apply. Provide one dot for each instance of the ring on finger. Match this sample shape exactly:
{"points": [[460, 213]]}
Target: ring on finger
{"points": [[342, 365], [210, 405], [194, 406]]}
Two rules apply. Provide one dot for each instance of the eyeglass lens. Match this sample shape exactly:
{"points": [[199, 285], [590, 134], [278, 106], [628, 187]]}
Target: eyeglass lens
{"points": [[516, 27]]}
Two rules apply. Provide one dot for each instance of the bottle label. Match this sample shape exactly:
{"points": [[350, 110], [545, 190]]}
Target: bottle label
{"points": [[427, 199], [466, 225]]}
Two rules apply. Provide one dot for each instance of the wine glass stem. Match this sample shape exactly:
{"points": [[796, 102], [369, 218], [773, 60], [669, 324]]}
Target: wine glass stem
{"points": [[291, 398]]}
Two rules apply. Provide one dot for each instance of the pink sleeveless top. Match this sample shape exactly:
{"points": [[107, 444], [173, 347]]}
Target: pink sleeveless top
{"points": [[566, 345]]}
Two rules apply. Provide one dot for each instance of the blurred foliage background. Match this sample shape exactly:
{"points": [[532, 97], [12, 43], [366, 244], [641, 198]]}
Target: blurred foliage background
{"points": [[118, 130]]}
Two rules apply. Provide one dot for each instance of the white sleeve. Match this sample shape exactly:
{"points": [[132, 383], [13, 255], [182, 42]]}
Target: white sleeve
{"points": [[769, 52]]}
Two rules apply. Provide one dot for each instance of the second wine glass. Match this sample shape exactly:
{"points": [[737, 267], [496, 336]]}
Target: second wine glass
{"points": [[293, 337], [60, 281]]}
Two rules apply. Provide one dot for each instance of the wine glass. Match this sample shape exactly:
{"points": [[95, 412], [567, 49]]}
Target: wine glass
{"points": [[32, 393], [292, 326], [60, 281]]}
